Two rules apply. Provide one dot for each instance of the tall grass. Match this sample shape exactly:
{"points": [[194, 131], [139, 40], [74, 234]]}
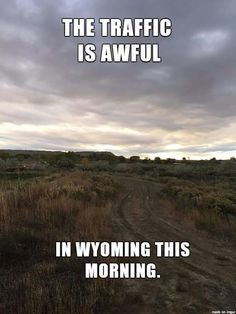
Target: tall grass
{"points": [[33, 216], [210, 206]]}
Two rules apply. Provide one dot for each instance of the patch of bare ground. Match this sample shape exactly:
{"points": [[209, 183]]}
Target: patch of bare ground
{"points": [[201, 283]]}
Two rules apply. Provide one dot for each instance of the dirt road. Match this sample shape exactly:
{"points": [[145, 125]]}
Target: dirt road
{"points": [[201, 283]]}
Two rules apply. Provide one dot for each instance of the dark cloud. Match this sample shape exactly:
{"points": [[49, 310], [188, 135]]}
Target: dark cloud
{"points": [[188, 100]]}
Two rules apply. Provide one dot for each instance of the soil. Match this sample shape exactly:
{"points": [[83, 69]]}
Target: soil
{"points": [[202, 283]]}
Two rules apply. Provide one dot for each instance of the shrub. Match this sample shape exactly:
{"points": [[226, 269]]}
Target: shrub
{"points": [[65, 163]]}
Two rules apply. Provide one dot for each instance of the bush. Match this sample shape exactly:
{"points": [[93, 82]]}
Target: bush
{"points": [[65, 163]]}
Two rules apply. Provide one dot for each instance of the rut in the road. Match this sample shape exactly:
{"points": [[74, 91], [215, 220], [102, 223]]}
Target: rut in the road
{"points": [[138, 217]]}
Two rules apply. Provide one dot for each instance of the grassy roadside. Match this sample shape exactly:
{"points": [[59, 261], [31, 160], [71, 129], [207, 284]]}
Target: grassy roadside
{"points": [[209, 206], [69, 206]]}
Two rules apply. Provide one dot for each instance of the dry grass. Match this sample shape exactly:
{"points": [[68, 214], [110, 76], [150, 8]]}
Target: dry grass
{"points": [[33, 216], [204, 205]]}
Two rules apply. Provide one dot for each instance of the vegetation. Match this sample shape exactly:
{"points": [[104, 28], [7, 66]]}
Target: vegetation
{"points": [[51, 196], [34, 215], [210, 204]]}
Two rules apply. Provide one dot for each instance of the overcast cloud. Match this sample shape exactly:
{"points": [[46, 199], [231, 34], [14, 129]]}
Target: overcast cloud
{"points": [[184, 106]]}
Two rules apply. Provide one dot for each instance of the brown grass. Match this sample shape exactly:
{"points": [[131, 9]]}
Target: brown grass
{"points": [[205, 206], [33, 216]]}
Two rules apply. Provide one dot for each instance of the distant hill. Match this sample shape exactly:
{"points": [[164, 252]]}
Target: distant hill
{"points": [[80, 153]]}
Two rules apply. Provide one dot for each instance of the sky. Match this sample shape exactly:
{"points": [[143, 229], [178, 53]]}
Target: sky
{"points": [[182, 107]]}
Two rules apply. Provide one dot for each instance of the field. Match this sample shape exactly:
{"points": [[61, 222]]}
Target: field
{"points": [[48, 197], [34, 215]]}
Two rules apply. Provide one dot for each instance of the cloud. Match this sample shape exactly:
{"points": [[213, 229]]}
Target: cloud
{"points": [[188, 100], [208, 43]]}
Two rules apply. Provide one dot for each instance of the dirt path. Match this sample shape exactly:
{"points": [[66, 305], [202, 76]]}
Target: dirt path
{"points": [[201, 283]]}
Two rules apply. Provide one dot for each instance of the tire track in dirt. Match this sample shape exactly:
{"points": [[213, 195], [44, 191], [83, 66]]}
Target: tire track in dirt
{"points": [[139, 220], [171, 234]]}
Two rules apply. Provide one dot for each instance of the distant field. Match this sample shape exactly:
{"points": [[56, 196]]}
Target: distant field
{"points": [[47, 197], [202, 191]]}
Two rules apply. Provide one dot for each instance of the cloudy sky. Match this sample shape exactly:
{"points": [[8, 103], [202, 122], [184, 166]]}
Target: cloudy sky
{"points": [[184, 106]]}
